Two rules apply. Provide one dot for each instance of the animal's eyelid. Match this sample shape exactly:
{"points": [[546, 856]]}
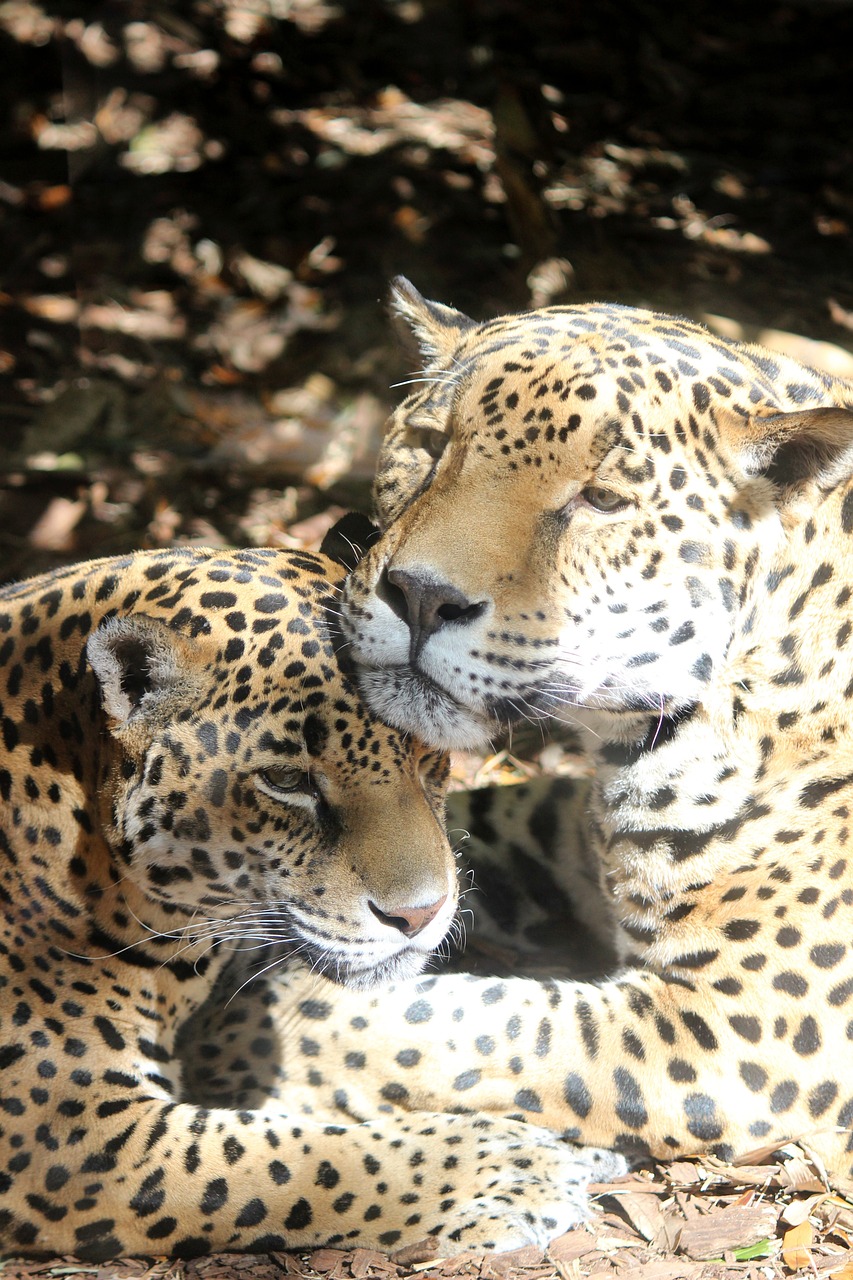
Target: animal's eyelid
{"points": [[426, 423], [284, 771], [290, 780], [429, 437], [603, 497], [584, 496]]}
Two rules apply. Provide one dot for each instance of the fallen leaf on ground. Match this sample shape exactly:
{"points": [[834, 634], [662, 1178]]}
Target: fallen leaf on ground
{"points": [[795, 1246]]}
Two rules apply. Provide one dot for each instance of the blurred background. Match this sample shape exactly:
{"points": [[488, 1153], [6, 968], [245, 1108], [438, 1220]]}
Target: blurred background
{"points": [[201, 204]]}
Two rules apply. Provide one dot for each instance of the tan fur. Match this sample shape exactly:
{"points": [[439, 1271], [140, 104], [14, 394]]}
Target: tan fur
{"points": [[614, 519], [191, 792]]}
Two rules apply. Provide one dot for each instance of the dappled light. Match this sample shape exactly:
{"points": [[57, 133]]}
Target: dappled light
{"points": [[201, 206]]}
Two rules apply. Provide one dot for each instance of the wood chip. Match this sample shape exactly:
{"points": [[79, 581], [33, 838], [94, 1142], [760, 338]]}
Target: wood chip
{"points": [[661, 1269], [737, 1227], [571, 1245], [425, 1250], [365, 1259], [325, 1260], [683, 1173]]}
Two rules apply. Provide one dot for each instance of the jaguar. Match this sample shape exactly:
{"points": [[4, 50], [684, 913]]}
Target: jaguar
{"points": [[193, 796], [613, 519]]}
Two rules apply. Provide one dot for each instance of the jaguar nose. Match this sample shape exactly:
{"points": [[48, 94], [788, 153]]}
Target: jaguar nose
{"points": [[409, 920], [425, 603]]}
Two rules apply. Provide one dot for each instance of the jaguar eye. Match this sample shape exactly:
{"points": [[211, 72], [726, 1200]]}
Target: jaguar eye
{"points": [[602, 499], [282, 783], [432, 441]]}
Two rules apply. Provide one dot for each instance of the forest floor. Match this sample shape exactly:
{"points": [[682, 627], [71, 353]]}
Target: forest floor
{"points": [[201, 206]]}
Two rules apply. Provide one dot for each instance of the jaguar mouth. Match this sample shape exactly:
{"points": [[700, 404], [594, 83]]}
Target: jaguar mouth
{"points": [[412, 702], [363, 974], [396, 968]]}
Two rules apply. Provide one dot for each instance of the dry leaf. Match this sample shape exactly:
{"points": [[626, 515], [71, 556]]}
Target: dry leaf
{"points": [[54, 529], [844, 1273], [758, 1155], [799, 1210], [799, 1174], [53, 197], [816, 1160], [643, 1212], [795, 1246], [52, 306], [751, 1175]]}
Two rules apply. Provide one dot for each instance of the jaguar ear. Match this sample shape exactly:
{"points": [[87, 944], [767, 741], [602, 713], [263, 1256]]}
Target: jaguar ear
{"points": [[349, 539], [145, 670], [436, 329], [813, 444]]}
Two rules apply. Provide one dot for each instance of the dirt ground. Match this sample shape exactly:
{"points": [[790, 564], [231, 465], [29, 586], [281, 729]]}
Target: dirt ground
{"points": [[201, 205]]}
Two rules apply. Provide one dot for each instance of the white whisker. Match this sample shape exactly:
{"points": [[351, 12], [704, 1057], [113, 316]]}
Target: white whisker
{"points": [[410, 382], [275, 963]]}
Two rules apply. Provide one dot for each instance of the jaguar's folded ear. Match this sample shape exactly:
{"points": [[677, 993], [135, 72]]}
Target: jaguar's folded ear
{"points": [[146, 671], [808, 445], [435, 328], [349, 539]]}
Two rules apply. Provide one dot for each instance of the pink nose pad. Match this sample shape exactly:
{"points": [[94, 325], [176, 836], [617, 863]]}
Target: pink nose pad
{"points": [[409, 920]]}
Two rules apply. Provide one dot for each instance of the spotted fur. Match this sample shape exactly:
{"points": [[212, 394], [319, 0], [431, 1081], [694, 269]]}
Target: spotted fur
{"points": [[613, 518], [188, 779]]}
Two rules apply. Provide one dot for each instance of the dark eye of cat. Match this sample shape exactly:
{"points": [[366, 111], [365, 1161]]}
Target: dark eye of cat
{"points": [[282, 782], [430, 439], [603, 499]]}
